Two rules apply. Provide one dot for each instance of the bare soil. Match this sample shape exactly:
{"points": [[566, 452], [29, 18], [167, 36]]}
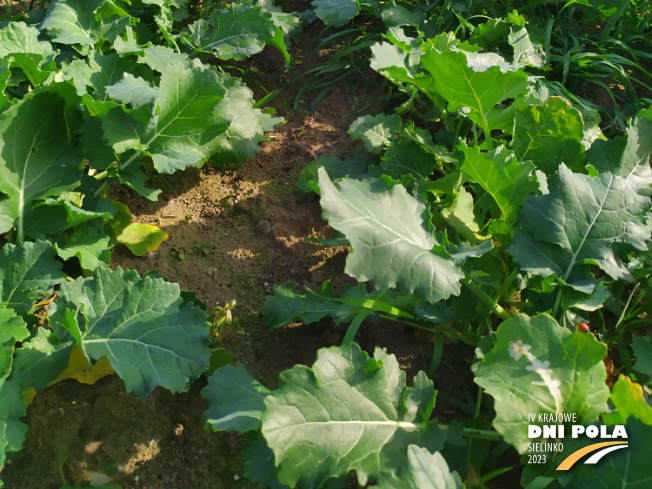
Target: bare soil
{"points": [[252, 222]]}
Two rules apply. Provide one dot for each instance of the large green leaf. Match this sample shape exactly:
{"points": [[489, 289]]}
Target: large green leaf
{"points": [[27, 273], [83, 22], [348, 413], [548, 134], [198, 113], [376, 132], [137, 324], [477, 82], [37, 157], [582, 220], [538, 367], [20, 46], [507, 181], [336, 13], [235, 32], [389, 248]]}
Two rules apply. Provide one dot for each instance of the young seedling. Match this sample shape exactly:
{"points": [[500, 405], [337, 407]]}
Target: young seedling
{"points": [[178, 253], [201, 249], [222, 321]]}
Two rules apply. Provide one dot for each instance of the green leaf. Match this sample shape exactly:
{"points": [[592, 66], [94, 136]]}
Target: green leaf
{"points": [[82, 22], [352, 167], [548, 134], [506, 180], [235, 32], [389, 249], [627, 468], [525, 51], [12, 431], [537, 366], [20, 46], [5, 74], [474, 81], [90, 247], [132, 90], [642, 347], [352, 418], [629, 400], [336, 13], [582, 220], [28, 272], [37, 158], [235, 400], [97, 73], [137, 325], [259, 462], [12, 408], [398, 15], [13, 329], [376, 132], [246, 126], [461, 217], [288, 305], [424, 470], [407, 158], [198, 113], [134, 178], [627, 156], [40, 360], [160, 57]]}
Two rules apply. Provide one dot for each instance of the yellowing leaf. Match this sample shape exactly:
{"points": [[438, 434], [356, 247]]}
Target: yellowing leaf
{"points": [[629, 400], [78, 369], [121, 219], [28, 395], [142, 238]]}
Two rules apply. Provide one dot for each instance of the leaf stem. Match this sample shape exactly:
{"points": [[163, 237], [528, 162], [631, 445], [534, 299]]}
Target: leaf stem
{"points": [[445, 329], [481, 434], [109, 181], [486, 299]]}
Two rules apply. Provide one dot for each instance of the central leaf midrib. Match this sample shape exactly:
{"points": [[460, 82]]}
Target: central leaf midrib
{"points": [[588, 230], [370, 217]]}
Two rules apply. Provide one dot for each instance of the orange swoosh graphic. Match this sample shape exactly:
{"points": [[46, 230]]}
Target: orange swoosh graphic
{"points": [[575, 456]]}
